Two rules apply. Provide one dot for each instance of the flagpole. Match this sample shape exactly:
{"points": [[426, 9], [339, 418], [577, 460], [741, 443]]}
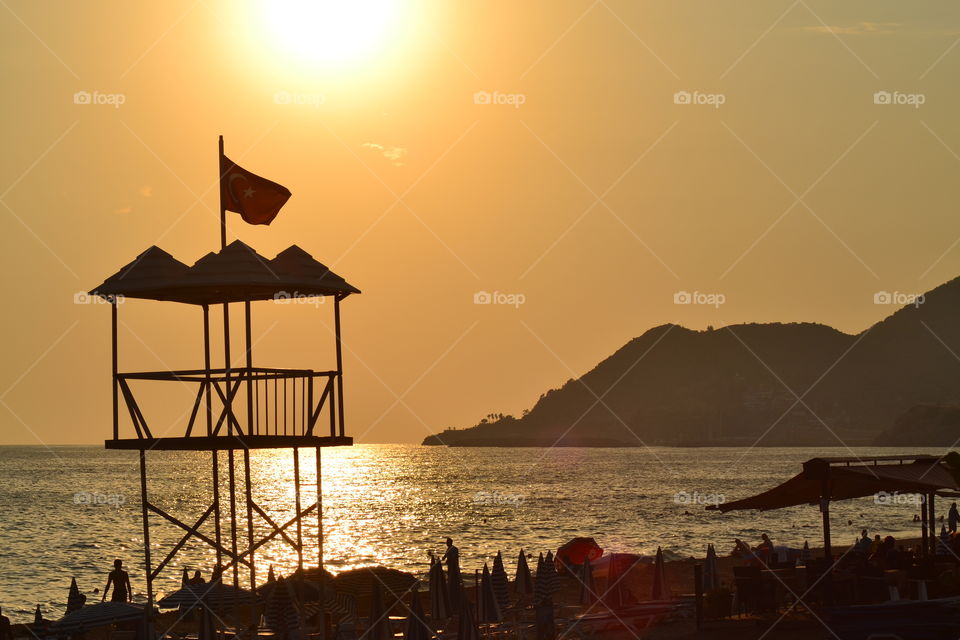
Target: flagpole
{"points": [[223, 212]]}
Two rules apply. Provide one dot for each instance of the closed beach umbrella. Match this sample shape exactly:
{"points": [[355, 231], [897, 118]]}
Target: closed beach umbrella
{"points": [[661, 591], [501, 584], [417, 627], [184, 578], [270, 575], [208, 630], [711, 576], [553, 578], [805, 553], [541, 589], [466, 625], [523, 583], [38, 617], [439, 596], [97, 615], [489, 607], [281, 613], [378, 627], [75, 600], [586, 582]]}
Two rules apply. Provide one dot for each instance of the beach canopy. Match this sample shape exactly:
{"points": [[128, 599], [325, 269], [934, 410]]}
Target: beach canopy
{"points": [[466, 625], [98, 615], [378, 623], [210, 594], [846, 478], [236, 273], [487, 603]]}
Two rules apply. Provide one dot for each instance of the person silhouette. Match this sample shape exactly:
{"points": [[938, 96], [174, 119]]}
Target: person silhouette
{"points": [[197, 578], [953, 518], [454, 581], [120, 581], [6, 632]]}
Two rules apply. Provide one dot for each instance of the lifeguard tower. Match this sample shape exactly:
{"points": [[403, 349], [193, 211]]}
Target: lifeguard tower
{"points": [[236, 409]]}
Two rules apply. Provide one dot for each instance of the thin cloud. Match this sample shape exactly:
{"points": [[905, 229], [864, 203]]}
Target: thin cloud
{"points": [[146, 191], [123, 210], [395, 155], [858, 29]]}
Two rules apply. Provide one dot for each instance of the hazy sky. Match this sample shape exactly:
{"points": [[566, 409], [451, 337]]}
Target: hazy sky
{"points": [[576, 181]]}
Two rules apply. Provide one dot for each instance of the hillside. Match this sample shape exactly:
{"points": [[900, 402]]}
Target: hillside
{"points": [[737, 385]]}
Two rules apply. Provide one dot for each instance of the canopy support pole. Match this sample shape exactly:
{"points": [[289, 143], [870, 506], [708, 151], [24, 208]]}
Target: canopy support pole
{"points": [[925, 544], [933, 524]]}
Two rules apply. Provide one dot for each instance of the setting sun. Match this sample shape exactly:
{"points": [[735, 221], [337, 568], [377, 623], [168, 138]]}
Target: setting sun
{"points": [[327, 31]]}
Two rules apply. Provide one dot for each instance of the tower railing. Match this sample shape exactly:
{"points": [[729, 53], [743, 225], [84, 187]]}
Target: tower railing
{"points": [[242, 401]]}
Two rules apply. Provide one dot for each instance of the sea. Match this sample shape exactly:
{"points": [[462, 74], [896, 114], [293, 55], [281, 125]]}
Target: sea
{"points": [[69, 511]]}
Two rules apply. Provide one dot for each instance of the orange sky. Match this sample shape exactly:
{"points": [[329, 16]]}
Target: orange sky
{"points": [[584, 187]]}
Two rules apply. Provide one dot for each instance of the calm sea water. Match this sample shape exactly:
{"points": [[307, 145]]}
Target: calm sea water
{"points": [[69, 511]]}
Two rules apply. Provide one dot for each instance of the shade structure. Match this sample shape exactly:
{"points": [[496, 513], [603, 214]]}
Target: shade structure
{"points": [[212, 594], [439, 595], [523, 583], [282, 614], [208, 627], [75, 599], [711, 573], [585, 578], [153, 271], [340, 606], [573, 553], [417, 627], [843, 479], [501, 584], [359, 582], [378, 624], [660, 590], [488, 607], [98, 615], [234, 274]]}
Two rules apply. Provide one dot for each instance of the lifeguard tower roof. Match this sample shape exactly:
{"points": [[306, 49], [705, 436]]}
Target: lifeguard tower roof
{"points": [[236, 273]]}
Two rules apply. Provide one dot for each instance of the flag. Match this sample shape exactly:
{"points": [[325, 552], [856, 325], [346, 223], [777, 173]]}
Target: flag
{"points": [[256, 199]]}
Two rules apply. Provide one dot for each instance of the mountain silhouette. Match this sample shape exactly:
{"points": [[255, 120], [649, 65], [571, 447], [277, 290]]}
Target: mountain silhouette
{"points": [[768, 384]]}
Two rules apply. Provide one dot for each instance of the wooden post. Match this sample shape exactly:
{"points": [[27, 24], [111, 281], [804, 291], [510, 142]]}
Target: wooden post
{"points": [[336, 315], [146, 542], [248, 491], [232, 482], [698, 593], [933, 524], [296, 484], [925, 544], [223, 210], [206, 366], [116, 390], [215, 468], [319, 510]]}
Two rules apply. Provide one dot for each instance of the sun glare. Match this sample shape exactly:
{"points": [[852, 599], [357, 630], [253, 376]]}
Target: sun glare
{"points": [[331, 31]]}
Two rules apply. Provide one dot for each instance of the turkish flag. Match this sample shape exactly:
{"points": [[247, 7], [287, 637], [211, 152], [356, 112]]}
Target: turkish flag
{"points": [[256, 199]]}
